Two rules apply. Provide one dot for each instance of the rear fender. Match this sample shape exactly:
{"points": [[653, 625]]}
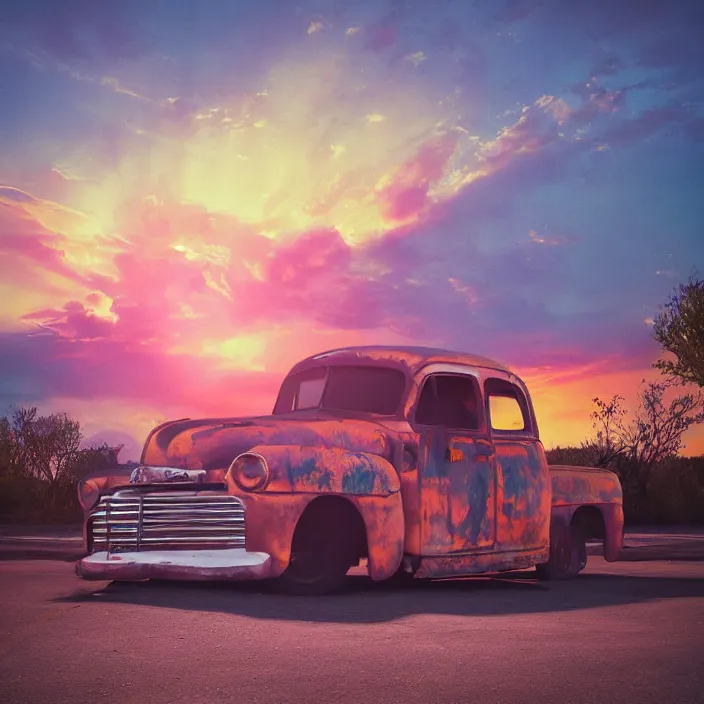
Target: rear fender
{"points": [[574, 487]]}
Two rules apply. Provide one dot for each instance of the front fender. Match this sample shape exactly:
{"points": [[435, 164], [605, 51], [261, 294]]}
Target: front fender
{"points": [[299, 474], [315, 470], [385, 525]]}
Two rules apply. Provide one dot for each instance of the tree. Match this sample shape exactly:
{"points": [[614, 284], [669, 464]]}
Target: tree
{"points": [[46, 445], [10, 464], [608, 420], [679, 328], [43, 452], [41, 462], [633, 448]]}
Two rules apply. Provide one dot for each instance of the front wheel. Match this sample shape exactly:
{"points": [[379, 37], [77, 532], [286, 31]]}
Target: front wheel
{"points": [[322, 552], [568, 553]]}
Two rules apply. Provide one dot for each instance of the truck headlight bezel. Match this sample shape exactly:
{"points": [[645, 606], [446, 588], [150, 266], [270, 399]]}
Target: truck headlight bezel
{"points": [[250, 472]]}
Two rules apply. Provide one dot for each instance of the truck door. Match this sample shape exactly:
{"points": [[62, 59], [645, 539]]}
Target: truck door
{"points": [[523, 478], [457, 476]]}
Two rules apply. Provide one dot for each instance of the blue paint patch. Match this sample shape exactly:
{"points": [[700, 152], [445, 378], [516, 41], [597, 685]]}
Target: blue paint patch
{"points": [[301, 471], [358, 481], [515, 480], [309, 473], [477, 496], [535, 467], [325, 480], [437, 463], [363, 476]]}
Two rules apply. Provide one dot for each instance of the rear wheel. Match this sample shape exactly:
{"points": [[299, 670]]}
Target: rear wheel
{"points": [[568, 552]]}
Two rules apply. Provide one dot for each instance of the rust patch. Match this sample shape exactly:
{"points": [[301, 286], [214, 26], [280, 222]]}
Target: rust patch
{"points": [[383, 518], [212, 445], [326, 471], [270, 522], [456, 455], [523, 513], [573, 486], [458, 499], [438, 567]]}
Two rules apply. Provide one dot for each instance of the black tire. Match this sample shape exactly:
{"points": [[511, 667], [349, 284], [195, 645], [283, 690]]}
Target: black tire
{"points": [[568, 553], [400, 579], [321, 555]]}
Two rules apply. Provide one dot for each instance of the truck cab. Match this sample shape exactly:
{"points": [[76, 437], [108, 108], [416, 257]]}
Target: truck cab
{"points": [[422, 462]]}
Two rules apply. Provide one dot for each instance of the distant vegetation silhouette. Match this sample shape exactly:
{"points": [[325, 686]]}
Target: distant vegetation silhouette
{"points": [[659, 486], [41, 461]]}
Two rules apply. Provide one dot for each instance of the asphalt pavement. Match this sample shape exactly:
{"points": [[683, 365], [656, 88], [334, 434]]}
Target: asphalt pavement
{"points": [[630, 632]]}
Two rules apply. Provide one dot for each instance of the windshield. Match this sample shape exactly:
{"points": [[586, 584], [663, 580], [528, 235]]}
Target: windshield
{"points": [[363, 389]]}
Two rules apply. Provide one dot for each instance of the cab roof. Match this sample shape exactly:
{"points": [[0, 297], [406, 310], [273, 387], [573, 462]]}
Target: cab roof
{"points": [[409, 357]]}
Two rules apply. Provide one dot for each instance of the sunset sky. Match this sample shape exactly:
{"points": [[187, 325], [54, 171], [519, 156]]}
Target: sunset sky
{"points": [[195, 195]]}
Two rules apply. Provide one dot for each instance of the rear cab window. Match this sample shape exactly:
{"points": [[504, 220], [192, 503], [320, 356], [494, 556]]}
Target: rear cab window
{"points": [[507, 408]]}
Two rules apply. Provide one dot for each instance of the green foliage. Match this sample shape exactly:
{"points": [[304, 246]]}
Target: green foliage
{"points": [[679, 328], [40, 465]]}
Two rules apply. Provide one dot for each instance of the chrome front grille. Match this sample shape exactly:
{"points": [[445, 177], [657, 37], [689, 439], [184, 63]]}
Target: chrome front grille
{"points": [[130, 520]]}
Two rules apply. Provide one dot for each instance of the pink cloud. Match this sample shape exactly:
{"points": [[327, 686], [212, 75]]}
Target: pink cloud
{"points": [[406, 196], [73, 321], [311, 254], [27, 248], [106, 369]]}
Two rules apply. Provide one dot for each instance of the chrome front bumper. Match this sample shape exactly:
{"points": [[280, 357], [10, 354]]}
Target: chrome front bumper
{"points": [[231, 563]]}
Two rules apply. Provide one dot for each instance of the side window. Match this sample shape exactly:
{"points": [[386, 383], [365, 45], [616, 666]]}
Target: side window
{"points": [[508, 410], [451, 401]]}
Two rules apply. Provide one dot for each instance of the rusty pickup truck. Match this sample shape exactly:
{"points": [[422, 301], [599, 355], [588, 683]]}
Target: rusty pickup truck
{"points": [[418, 462]]}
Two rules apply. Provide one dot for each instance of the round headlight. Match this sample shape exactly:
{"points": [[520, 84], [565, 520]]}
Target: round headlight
{"points": [[88, 494], [250, 471]]}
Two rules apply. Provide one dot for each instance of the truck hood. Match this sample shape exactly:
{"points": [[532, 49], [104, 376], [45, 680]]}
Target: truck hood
{"points": [[212, 444]]}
